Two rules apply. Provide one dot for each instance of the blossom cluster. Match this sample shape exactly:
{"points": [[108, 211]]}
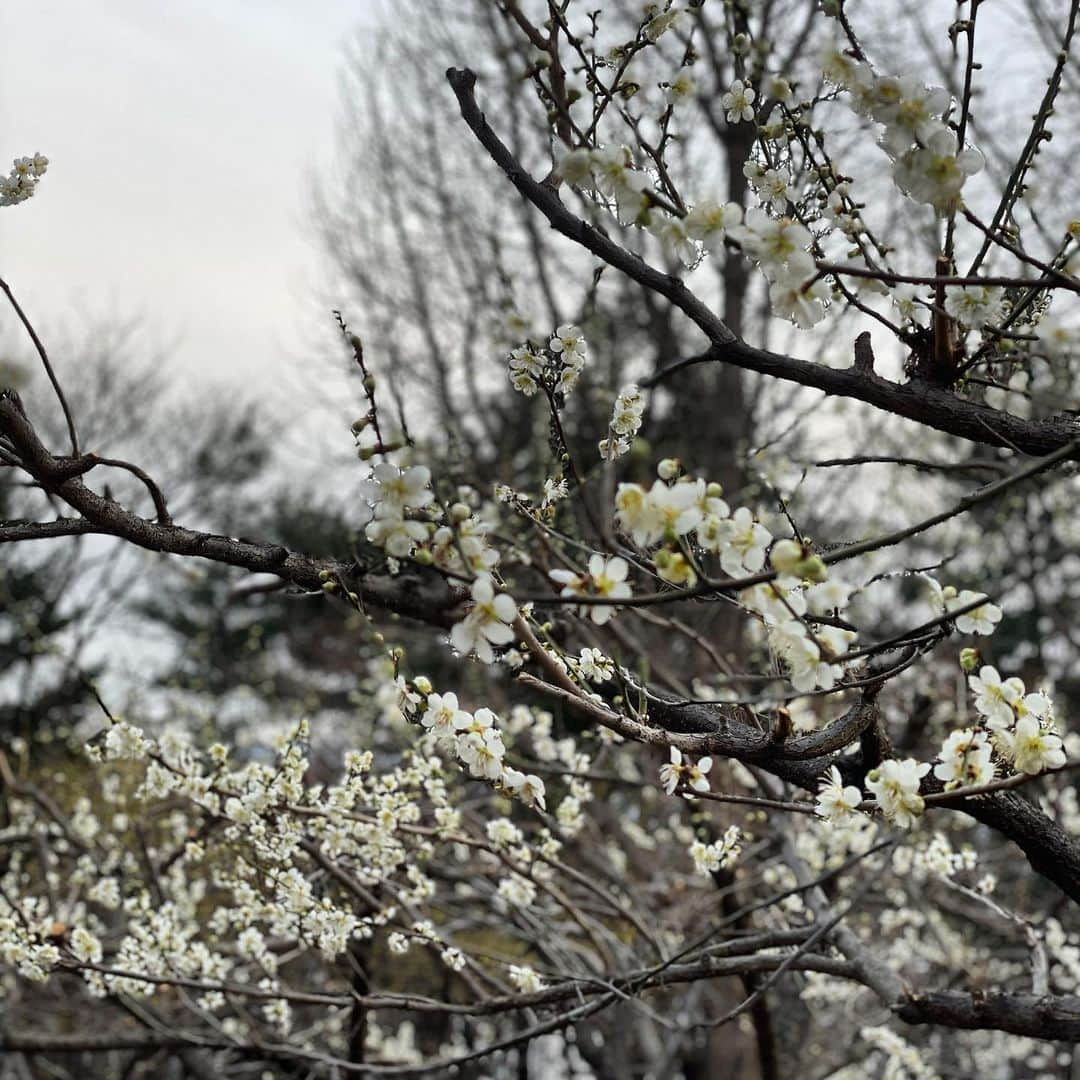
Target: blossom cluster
{"points": [[625, 422], [689, 518], [928, 163], [720, 854], [1021, 724], [558, 366], [475, 739], [400, 502], [20, 184], [606, 579]]}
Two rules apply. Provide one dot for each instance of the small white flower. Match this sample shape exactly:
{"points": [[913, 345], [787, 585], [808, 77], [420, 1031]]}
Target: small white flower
{"points": [[487, 623], [974, 305], [965, 759], [895, 785], [525, 979], [738, 102], [1032, 748], [994, 697], [834, 801], [606, 578], [980, 620], [676, 769], [569, 344]]}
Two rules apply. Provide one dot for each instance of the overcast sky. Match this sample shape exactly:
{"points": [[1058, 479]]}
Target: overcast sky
{"points": [[182, 139]]}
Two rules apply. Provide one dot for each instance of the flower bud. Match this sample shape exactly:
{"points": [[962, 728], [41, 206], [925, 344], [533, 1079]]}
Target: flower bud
{"points": [[969, 659], [459, 512], [356, 343], [786, 555], [714, 490], [369, 382], [669, 468], [813, 569]]}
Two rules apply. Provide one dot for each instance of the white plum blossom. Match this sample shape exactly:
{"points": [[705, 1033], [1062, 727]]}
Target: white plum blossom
{"points": [[595, 666], [965, 759], [526, 367], [1056, 340], [529, 788], [995, 698], [895, 785], [910, 111], [778, 244], [672, 233], [680, 87], [720, 854], [709, 220], [980, 620], [85, 946], [625, 422], [393, 490], [576, 166], [974, 305], [798, 299], [835, 801], [745, 544], [606, 578], [1032, 747], [842, 69], [442, 717], [677, 769], [906, 300], [936, 172], [487, 623], [738, 102], [21, 183], [773, 186], [569, 343], [526, 979]]}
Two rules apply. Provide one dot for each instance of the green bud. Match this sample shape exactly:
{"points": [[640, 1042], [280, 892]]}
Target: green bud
{"points": [[813, 569], [969, 659], [787, 556]]}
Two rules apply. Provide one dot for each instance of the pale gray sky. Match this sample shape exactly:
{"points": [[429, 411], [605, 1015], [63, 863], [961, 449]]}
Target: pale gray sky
{"points": [[182, 138]]}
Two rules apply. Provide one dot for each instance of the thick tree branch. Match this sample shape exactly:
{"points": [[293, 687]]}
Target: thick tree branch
{"points": [[423, 594], [932, 406]]}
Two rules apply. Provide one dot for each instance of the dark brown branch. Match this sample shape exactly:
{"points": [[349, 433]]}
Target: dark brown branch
{"points": [[930, 405], [1021, 1014], [421, 594], [29, 327]]}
